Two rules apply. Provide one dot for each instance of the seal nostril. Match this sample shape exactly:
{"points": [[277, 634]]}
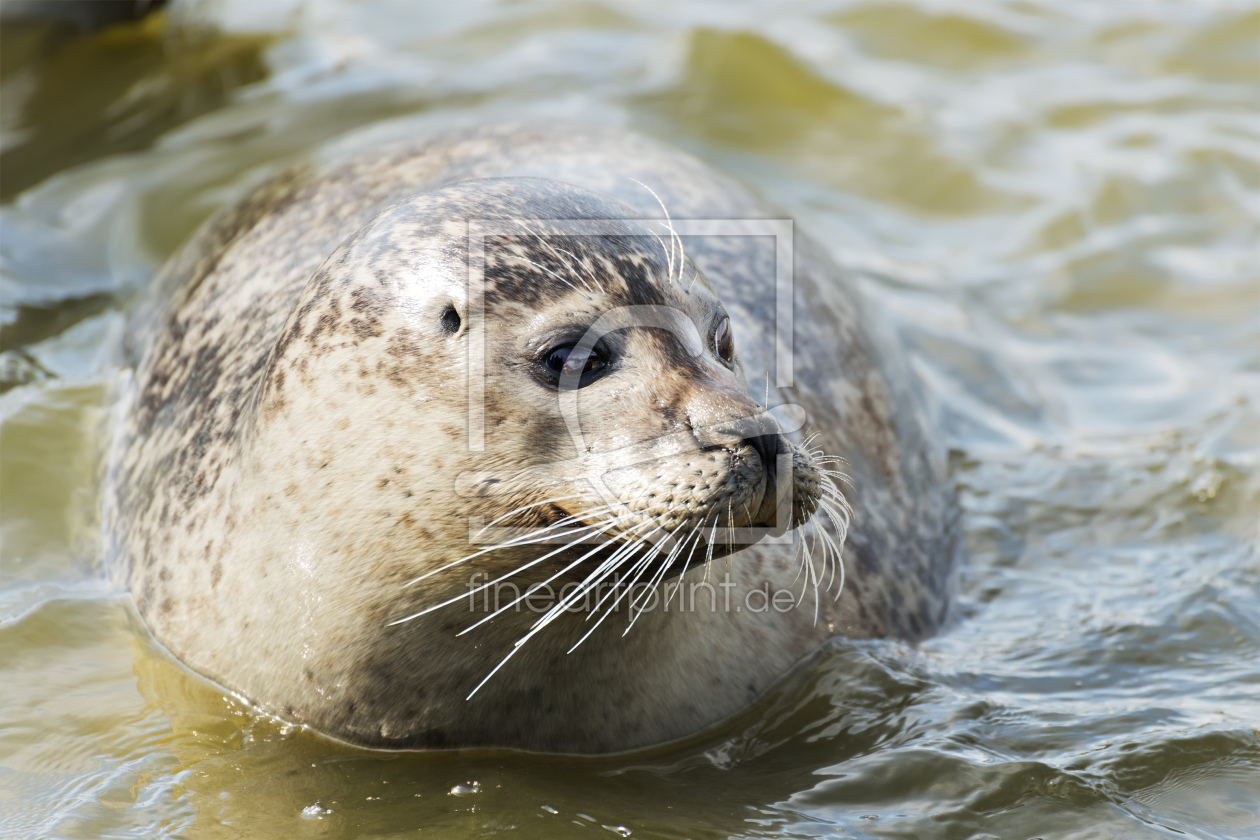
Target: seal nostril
{"points": [[767, 447]]}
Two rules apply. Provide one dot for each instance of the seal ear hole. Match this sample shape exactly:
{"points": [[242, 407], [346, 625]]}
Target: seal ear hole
{"points": [[450, 320]]}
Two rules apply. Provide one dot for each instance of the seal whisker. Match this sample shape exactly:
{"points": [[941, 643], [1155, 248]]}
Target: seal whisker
{"points": [[544, 532], [831, 460], [604, 568], [836, 496], [529, 539], [695, 543], [840, 520], [837, 504], [800, 567], [544, 241], [532, 537], [690, 554], [708, 560], [640, 565], [529, 592], [617, 557], [708, 545], [553, 274], [623, 553], [837, 509], [656, 549], [537, 627], [522, 509], [582, 265], [636, 604], [821, 455], [657, 237], [644, 566], [501, 578], [844, 477], [516, 646], [814, 576], [805, 560], [836, 561], [673, 235]]}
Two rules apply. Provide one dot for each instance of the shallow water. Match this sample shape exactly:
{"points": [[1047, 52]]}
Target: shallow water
{"points": [[1056, 205]]}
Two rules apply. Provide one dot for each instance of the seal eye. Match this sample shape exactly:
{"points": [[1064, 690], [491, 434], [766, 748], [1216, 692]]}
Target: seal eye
{"points": [[568, 360], [723, 341]]}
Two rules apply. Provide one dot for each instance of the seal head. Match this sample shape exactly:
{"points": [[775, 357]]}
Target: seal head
{"points": [[584, 374]]}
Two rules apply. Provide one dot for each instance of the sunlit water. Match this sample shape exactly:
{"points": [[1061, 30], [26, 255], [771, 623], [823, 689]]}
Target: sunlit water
{"points": [[1055, 203]]}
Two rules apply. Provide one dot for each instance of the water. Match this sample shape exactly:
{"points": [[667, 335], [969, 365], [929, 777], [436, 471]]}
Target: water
{"points": [[1056, 205]]}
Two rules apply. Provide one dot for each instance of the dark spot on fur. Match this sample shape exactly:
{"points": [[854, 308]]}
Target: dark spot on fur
{"points": [[364, 328], [401, 346], [327, 321]]}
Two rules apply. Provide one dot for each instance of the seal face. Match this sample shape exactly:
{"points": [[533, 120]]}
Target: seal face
{"points": [[418, 429]]}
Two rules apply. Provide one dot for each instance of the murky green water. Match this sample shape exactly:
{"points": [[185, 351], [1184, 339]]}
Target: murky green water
{"points": [[1055, 202]]}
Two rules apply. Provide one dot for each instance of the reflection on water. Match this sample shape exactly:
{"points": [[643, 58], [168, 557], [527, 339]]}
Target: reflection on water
{"points": [[1055, 206]]}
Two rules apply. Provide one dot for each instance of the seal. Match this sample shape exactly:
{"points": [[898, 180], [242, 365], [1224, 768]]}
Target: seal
{"points": [[450, 442]]}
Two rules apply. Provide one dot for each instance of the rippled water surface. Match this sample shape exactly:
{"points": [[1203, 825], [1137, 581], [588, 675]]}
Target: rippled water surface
{"points": [[1056, 205]]}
